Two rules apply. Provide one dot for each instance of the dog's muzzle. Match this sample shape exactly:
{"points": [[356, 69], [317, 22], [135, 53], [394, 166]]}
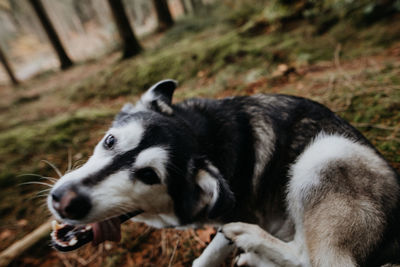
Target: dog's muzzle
{"points": [[70, 204], [67, 237]]}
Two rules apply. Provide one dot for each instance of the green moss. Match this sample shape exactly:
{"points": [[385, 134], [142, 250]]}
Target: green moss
{"points": [[276, 11], [374, 108], [214, 44], [23, 146], [191, 25]]}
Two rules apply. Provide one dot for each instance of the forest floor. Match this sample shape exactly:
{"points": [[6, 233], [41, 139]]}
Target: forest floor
{"points": [[59, 117]]}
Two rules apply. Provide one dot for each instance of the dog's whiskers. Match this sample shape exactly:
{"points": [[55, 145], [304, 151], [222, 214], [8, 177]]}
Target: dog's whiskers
{"points": [[43, 204], [51, 179], [77, 164], [41, 196], [53, 167], [30, 174], [37, 183], [43, 191]]}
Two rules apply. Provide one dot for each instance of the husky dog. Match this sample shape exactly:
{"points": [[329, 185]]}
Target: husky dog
{"points": [[290, 182]]}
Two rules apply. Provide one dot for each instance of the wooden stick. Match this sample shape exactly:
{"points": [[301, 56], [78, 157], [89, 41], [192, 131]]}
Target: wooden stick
{"points": [[16, 249]]}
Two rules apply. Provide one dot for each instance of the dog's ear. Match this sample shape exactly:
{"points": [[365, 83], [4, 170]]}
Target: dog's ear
{"points": [[215, 194], [158, 97]]}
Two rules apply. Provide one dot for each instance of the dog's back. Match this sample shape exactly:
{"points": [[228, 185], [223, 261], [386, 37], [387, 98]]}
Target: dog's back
{"points": [[255, 142]]}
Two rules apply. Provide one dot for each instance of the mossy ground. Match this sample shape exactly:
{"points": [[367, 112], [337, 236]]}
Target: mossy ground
{"points": [[229, 51]]}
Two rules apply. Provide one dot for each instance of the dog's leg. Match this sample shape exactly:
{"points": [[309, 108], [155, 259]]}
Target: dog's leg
{"points": [[261, 248], [335, 228], [252, 259], [216, 252], [337, 197]]}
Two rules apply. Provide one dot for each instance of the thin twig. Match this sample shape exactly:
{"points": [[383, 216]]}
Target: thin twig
{"points": [[69, 168], [64, 260], [173, 254], [163, 244], [53, 167], [196, 237], [338, 65], [388, 138]]}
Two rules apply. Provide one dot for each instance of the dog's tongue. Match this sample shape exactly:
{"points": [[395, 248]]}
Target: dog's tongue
{"points": [[106, 230]]}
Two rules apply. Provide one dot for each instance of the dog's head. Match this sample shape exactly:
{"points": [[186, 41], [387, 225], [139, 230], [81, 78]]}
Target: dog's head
{"points": [[147, 161]]}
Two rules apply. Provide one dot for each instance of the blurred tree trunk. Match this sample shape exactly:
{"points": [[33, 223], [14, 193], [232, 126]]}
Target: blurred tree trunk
{"points": [[187, 6], [197, 5], [8, 68], [130, 43], [84, 10], [164, 16], [192, 6], [51, 33]]}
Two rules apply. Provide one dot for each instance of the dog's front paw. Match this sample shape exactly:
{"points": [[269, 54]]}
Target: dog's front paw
{"points": [[215, 253], [245, 236]]}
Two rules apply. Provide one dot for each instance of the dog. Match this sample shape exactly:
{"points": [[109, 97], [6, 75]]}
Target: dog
{"points": [[289, 182]]}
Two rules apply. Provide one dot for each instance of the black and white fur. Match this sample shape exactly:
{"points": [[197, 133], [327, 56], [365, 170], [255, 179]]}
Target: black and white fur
{"points": [[290, 182]]}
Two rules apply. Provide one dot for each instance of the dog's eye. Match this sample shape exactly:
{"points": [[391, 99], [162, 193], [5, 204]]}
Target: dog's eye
{"points": [[147, 176], [109, 141]]}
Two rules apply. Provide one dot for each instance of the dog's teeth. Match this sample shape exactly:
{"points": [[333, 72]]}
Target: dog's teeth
{"points": [[73, 241], [56, 225], [53, 224], [59, 242]]}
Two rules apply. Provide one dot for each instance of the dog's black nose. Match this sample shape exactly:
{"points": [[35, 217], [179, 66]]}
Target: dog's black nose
{"points": [[69, 204]]}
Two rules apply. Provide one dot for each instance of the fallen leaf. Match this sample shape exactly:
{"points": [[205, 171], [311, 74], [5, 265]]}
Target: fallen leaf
{"points": [[205, 234]]}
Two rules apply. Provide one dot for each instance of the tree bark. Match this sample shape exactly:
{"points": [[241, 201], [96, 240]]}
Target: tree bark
{"points": [[164, 16], [65, 61], [187, 8], [8, 68], [131, 45], [197, 5]]}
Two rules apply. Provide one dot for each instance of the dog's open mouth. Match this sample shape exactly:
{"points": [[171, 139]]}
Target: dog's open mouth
{"points": [[67, 237]]}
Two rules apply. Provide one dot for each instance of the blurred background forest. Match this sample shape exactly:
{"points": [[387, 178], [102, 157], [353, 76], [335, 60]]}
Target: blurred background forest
{"points": [[63, 78]]}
